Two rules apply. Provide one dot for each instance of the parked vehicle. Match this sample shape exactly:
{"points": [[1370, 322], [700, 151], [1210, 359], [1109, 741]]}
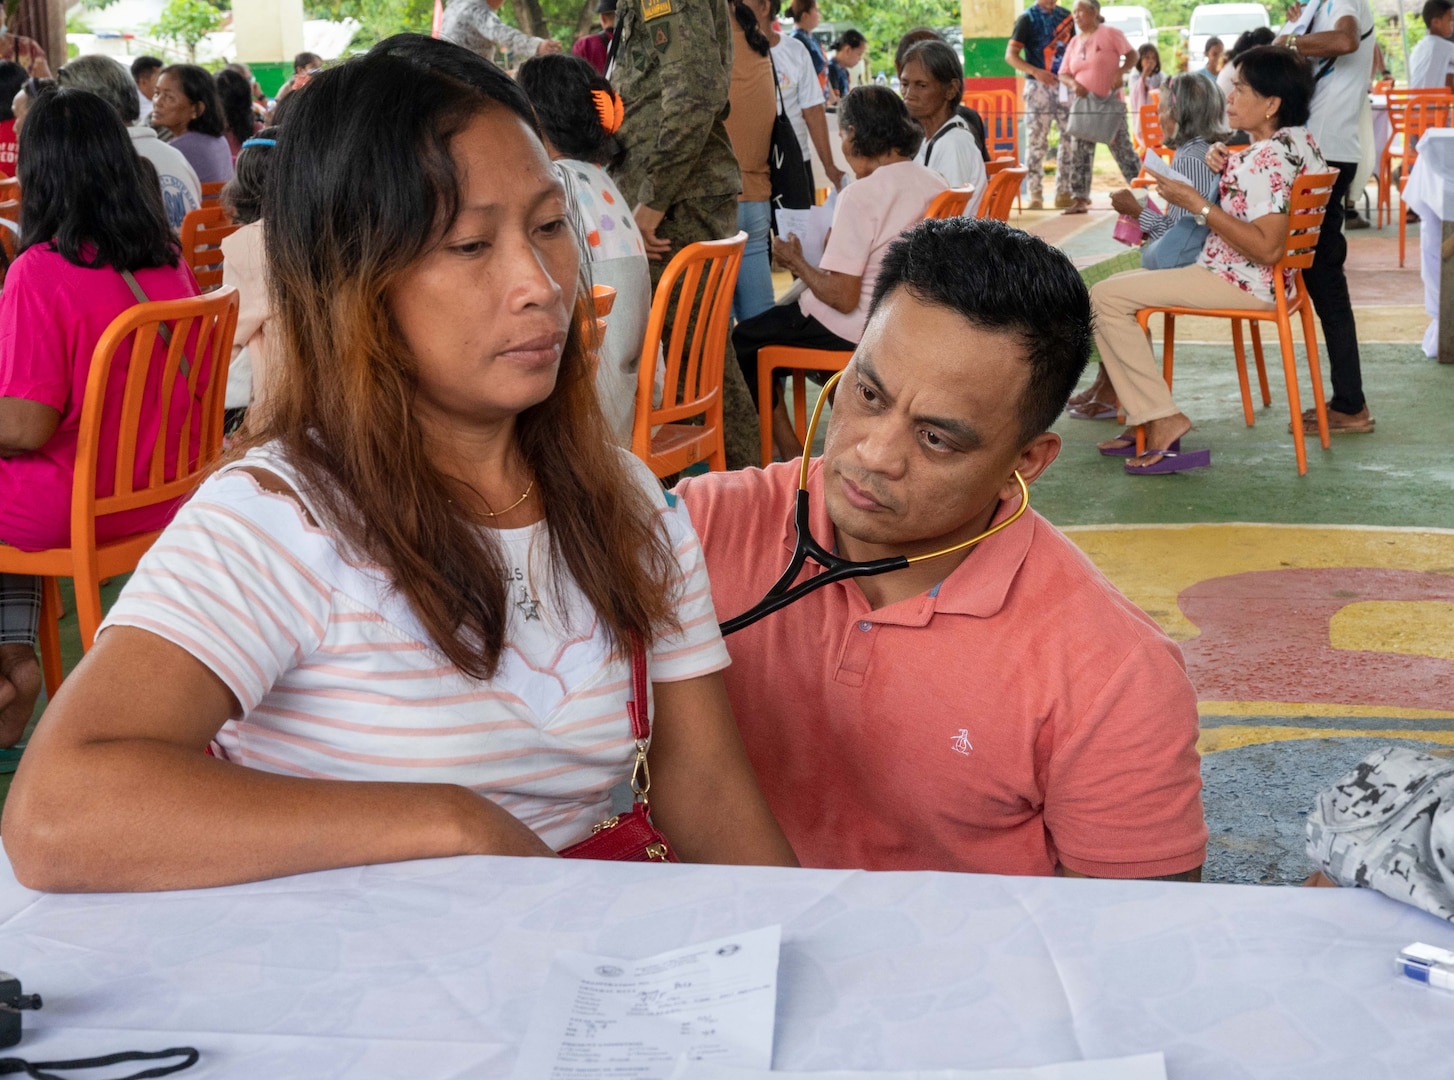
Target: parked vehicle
{"points": [[1225, 21], [1135, 22]]}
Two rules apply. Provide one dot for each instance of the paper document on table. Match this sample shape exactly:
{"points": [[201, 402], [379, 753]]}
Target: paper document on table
{"points": [[600, 1016], [810, 226], [1157, 166], [1140, 1067]]}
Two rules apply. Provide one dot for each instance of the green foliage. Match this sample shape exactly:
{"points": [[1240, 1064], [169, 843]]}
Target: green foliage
{"points": [[186, 22], [884, 23], [377, 18]]}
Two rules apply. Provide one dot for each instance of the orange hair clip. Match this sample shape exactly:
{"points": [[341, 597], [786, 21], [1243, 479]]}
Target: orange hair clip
{"points": [[610, 108]]}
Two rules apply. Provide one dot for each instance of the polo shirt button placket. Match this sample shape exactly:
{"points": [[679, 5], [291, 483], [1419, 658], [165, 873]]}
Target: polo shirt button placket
{"points": [[857, 649]]}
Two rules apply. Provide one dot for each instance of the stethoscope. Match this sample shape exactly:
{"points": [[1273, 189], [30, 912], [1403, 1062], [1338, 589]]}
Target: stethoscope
{"points": [[784, 592]]}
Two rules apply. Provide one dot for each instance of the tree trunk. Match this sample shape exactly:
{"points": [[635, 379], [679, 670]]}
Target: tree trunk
{"points": [[587, 19], [530, 18]]}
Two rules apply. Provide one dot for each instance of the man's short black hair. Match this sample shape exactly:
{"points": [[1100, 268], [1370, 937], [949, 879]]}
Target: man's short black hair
{"points": [[304, 60], [145, 65], [1006, 281], [1273, 71], [1435, 10]]}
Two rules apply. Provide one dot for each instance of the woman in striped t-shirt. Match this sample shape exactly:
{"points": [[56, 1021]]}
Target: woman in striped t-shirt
{"points": [[397, 616]]}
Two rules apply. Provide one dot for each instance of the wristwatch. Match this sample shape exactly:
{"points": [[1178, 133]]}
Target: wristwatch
{"points": [[1200, 217], [1292, 42]]}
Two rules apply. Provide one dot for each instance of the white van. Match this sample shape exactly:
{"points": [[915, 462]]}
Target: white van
{"points": [[1225, 21], [1135, 22]]}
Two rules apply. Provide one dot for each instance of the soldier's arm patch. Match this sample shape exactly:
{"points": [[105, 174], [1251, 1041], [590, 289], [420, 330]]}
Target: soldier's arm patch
{"points": [[655, 9], [661, 37]]}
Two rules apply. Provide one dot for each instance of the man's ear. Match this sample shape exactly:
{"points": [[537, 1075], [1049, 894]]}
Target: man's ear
{"points": [[1035, 457]]}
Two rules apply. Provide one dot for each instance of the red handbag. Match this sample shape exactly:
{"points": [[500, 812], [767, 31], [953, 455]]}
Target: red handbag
{"points": [[630, 837]]}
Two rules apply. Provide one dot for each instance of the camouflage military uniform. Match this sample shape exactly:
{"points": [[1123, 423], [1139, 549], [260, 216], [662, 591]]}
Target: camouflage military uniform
{"points": [[474, 24], [672, 68]]}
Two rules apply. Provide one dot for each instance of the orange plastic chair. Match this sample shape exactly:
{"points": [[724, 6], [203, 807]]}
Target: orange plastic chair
{"points": [[774, 358], [1152, 138], [949, 203], [1382, 86], [202, 329], [1418, 118], [603, 299], [1001, 111], [202, 234], [1004, 187], [701, 278], [1309, 204], [9, 188], [1425, 105], [212, 193]]}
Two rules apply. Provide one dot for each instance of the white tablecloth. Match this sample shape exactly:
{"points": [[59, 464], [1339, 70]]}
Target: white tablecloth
{"points": [[1430, 194], [430, 969]]}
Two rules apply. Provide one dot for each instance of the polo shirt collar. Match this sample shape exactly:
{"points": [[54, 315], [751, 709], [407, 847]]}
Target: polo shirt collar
{"points": [[977, 587]]}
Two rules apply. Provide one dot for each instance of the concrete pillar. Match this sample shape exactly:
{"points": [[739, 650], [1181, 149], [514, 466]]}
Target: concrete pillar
{"points": [[268, 30], [986, 25]]}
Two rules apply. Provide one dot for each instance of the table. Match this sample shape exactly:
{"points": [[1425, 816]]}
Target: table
{"points": [[430, 969], [1430, 194]]}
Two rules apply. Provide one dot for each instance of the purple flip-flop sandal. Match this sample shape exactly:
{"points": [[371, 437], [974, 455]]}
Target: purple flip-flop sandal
{"points": [[1171, 462]]}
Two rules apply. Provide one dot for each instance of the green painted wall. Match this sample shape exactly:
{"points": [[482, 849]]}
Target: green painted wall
{"points": [[985, 58]]}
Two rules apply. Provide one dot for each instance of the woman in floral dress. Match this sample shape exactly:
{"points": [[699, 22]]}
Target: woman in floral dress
{"points": [[1270, 101]]}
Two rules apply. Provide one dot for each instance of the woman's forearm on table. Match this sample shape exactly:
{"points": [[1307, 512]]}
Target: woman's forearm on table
{"points": [[129, 816]]}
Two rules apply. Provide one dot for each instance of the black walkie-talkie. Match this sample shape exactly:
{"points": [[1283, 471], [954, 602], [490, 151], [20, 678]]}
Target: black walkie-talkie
{"points": [[12, 1003]]}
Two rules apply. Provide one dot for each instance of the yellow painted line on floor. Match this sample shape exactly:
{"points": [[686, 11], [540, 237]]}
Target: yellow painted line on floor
{"points": [[1317, 709], [1214, 740], [1153, 568], [1410, 627]]}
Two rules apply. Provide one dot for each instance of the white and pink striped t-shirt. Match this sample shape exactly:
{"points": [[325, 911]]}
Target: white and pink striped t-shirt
{"points": [[338, 679]]}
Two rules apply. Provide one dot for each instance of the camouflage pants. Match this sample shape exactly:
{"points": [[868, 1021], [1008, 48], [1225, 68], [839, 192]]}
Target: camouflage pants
{"points": [[714, 217], [1042, 106]]}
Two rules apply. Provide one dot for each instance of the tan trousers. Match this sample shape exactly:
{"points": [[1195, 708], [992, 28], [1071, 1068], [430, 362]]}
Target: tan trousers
{"points": [[1134, 370]]}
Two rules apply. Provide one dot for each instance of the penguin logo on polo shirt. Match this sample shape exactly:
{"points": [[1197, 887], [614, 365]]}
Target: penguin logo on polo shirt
{"points": [[960, 744]]}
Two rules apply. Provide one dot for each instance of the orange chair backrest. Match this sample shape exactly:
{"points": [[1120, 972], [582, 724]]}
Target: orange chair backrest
{"points": [[1406, 106], [1306, 208], [700, 278], [212, 192], [949, 203], [999, 164], [1000, 110], [1383, 86], [1151, 133], [202, 234], [1418, 116], [604, 298], [9, 188], [183, 383], [10, 210], [999, 196]]}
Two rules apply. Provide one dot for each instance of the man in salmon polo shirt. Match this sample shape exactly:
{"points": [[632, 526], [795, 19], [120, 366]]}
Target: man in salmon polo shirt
{"points": [[1002, 710]]}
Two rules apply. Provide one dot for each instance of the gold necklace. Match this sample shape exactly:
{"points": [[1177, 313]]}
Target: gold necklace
{"points": [[524, 495]]}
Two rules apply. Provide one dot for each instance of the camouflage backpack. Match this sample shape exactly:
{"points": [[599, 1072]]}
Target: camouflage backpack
{"points": [[1389, 825]]}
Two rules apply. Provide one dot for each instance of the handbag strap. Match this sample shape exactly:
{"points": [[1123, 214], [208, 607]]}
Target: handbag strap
{"points": [[163, 331], [782, 109], [638, 707]]}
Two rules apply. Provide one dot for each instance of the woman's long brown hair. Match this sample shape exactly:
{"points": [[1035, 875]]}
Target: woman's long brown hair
{"points": [[359, 187]]}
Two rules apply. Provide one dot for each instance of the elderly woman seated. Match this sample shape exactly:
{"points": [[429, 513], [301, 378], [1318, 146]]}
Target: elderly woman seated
{"points": [[92, 212], [404, 615], [891, 193], [1191, 120], [1236, 267]]}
